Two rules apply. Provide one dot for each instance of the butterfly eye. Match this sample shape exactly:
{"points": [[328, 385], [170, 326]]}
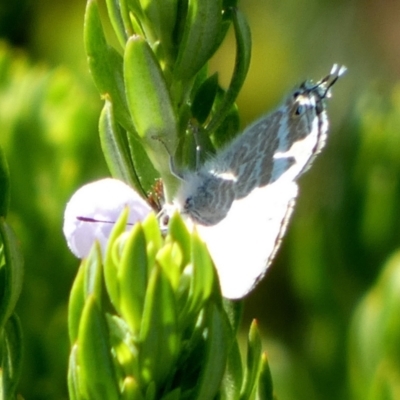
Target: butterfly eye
{"points": [[296, 94], [300, 109], [188, 203]]}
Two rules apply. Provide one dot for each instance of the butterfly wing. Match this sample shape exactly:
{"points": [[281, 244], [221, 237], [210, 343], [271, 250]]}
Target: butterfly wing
{"points": [[244, 243]]}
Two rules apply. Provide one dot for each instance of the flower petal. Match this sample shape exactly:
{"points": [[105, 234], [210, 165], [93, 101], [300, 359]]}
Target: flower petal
{"points": [[94, 208]]}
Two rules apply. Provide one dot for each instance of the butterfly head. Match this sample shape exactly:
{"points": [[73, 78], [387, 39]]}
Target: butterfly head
{"points": [[321, 90]]}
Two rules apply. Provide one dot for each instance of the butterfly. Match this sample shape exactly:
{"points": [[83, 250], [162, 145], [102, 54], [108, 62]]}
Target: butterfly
{"points": [[240, 201]]}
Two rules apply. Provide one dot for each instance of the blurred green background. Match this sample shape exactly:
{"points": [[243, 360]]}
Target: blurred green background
{"points": [[329, 308]]}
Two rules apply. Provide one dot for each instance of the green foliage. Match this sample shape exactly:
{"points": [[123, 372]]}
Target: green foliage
{"points": [[11, 273], [374, 350], [48, 122], [147, 321], [4, 185], [154, 87]]}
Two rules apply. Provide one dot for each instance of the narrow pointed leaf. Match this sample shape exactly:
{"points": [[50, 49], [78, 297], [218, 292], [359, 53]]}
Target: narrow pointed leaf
{"points": [[115, 147], [151, 391], [170, 259], [110, 263], [233, 377], [218, 343], [11, 273], [117, 22], [151, 108], [203, 274], [88, 282], [229, 127], [105, 64], [242, 64], [154, 240], [144, 169], [200, 38], [179, 233], [204, 98], [94, 355], [150, 104], [4, 185], [11, 362], [159, 335], [131, 390], [76, 304], [161, 15], [174, 395], [93, 274], [234, 311], [73, 375], [265, 387], [124, 345], [254, 349], [133, 278]]}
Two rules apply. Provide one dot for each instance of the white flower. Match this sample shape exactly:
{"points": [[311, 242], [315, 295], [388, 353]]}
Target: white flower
{"points": [[94, 208]]}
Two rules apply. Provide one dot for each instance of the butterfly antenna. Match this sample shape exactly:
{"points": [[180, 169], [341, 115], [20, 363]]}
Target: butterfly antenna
{"points": [[195, 130], [172, 167], [329, 80]]}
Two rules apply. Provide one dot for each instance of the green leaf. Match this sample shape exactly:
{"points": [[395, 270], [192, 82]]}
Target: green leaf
{"points": [[173, 395], [161, 16], [93, 274], [153, 239], [234, 311], [204, 98], [115, 148], [374, 342], [88, 282], [131, 390], [73, 374], [106, 65], [11, 273], [252, 373], [4, 185], [233, 377], [218, 344], [242, 64], [150, 106], [112, 260], [200, 37], [229, 127], [76, 304], [265, 387], [117, 21], [133, 17], [148, 96], [11, 360], [178, 232], [124, 346], [132, 278], [151, 391], [204, 278], [159, 340], [97, 374], [229, 3], [144, 169], [170, 259]]}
